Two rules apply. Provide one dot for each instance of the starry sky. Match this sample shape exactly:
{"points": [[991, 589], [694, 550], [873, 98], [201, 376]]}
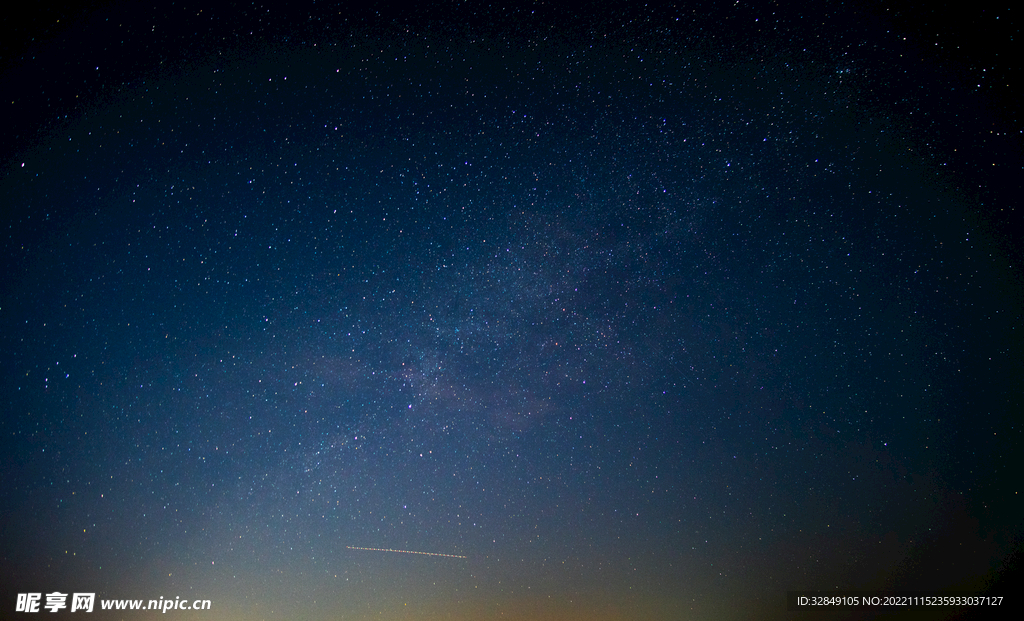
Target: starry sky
{"points": [[634, 311]]}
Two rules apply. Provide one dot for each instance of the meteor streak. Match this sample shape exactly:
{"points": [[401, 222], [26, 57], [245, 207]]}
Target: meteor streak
{"points": [[405, 552]]}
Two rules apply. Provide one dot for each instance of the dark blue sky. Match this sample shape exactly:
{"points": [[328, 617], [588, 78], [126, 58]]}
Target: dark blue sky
{"points": [[646, 311]]}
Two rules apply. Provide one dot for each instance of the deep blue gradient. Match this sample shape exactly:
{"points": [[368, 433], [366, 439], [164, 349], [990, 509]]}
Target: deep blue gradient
{"points": [[650, 312]]}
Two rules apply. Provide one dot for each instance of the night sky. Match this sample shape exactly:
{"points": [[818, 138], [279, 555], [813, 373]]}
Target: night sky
{"points": [[632, 311]]}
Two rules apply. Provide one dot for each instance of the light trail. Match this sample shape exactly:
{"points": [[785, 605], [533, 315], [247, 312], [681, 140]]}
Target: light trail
{"points": [[406, 552]]}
